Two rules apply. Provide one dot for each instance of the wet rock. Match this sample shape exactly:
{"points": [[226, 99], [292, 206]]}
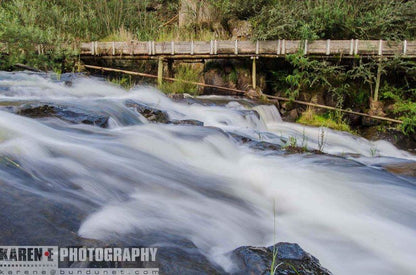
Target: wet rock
{"points": [[392, 135], [176, 97], [185, 260], [68, 113], [404, 169], [291, 116], [291, 259], [150, 113], [191, 122], [257, 145]]}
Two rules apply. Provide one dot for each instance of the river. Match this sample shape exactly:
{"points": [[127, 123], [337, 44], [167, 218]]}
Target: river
{"points": [[61, 181]]}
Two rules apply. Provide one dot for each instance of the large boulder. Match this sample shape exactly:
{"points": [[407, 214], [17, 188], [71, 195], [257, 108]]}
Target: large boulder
{"points": [[290, 259], [73, 114], [150, 113]]}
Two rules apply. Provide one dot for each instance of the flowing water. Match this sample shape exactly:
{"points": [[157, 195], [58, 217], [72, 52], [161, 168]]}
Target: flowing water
{"points": [[199, 183]]}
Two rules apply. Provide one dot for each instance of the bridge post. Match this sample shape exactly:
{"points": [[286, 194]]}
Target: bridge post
{"points": [[160, 72], [253, 73]]}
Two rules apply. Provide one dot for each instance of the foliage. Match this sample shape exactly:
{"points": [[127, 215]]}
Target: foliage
{"points": [[335, 19], [309, 117], [404, 106], [60, 24], [183, 72], [309, 74]]}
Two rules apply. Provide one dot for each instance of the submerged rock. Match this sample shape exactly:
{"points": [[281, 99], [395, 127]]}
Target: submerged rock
{"points": [[290, 259], [192, 122], [150, 113], [404, 169], [68, 113]]}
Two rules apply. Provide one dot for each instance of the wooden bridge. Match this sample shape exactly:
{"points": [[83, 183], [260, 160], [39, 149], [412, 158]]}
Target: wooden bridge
{"points": [[239, 49], [170, 51]]}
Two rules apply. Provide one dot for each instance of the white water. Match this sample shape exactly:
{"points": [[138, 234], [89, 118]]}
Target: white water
{"points": [[199, 183]]}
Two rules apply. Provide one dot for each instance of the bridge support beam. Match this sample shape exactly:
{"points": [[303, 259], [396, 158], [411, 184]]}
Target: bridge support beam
{"points": [[160, 72], [253, 73]]}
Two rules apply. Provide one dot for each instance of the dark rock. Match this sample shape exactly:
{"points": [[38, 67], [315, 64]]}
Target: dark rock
{"points": [[68, 113], [192, 122], [354, 120], [257, 145], [150, 113], [392, 135], [291, 116], [369, 122], [176, 97], [290, 259]]}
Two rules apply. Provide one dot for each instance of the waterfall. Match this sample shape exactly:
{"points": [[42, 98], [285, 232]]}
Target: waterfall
{"points": [[61, 174]]}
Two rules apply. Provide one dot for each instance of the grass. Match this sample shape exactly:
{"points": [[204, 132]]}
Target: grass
{"points": [[186, 72], [309, 117], [125, 81], [120, 35]]}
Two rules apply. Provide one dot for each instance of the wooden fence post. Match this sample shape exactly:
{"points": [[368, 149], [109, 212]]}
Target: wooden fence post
{"points": [[378, 79], [278, 47], [328, 46], [305, 47], [380, 47], [160, 72]]}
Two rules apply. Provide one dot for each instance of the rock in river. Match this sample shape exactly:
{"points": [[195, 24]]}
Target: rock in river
{"points": [[291, 259], [74, 114], [150, 113]]}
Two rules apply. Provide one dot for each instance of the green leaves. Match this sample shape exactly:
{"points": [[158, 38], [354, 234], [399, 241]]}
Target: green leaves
{"points": [[337, 19]]}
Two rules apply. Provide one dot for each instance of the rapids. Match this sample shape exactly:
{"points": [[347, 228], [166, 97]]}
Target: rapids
{"points": [[198, 183]]}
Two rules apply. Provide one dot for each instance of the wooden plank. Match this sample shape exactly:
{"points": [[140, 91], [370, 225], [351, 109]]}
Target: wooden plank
{"points": [[277, 47], [163, 48], [225, 47], [202, 47], [267, 47], [411, 48], [182, 47], [341, 47], [85, 48], [104, 48], [392, 47], [317, 47], [368, 47], [293, 46], [246, 47], [138, 48]]}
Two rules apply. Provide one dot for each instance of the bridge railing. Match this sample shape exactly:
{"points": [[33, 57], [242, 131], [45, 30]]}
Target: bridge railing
{"points": [[235, 47]]}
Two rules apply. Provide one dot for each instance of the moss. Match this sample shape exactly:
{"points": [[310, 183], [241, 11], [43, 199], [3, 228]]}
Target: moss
{"points": [[309, 117]]}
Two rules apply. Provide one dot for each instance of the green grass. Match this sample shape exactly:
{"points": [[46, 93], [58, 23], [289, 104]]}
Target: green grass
{"points": [[183, 72], [310, 118]]}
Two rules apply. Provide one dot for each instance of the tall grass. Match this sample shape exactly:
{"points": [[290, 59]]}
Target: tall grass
{"points": [[183, 72]]}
